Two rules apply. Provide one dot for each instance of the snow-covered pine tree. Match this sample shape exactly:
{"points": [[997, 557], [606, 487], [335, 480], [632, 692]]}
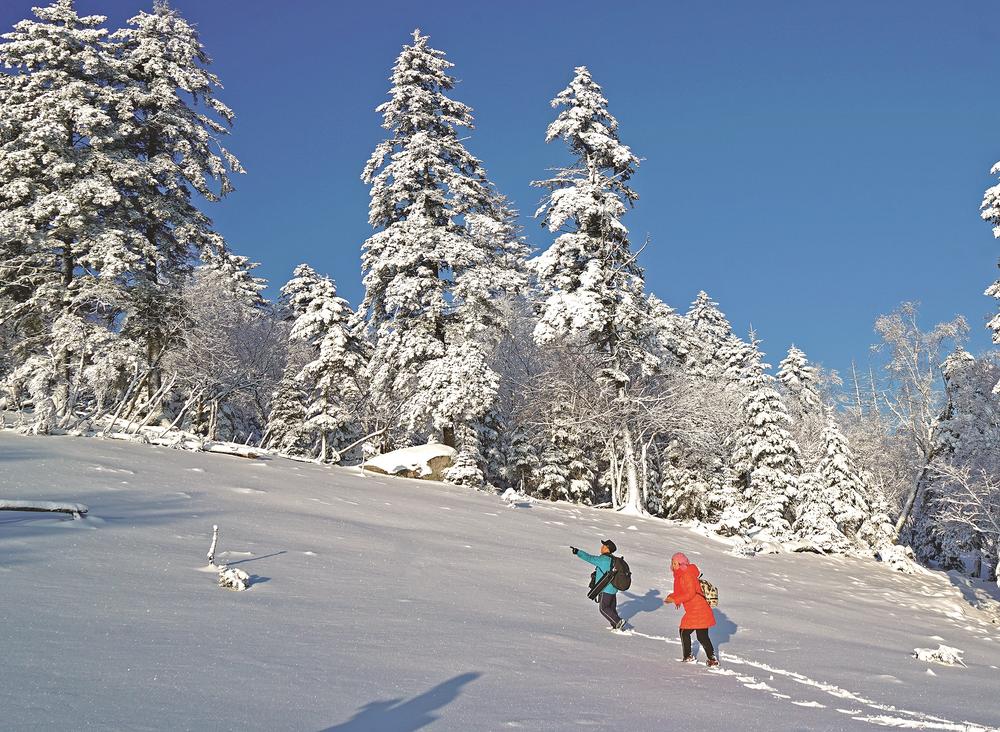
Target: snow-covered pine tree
{"points": [[58, 165], [442, 257], [766, 458], [814, 521], [592, 286], [172, 124], [553, 472], [799, 380], [333, 376], [522, 460], [990, 211], [798, 385], [286, 431], [707, 332], [850, 498]]}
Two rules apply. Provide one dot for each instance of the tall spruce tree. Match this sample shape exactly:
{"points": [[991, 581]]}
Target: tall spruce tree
{"points": [[990, 211], [172, 127], [58, 181], [766, 457], [799, 380], [333, 376], [591, 285], [443, 257]]}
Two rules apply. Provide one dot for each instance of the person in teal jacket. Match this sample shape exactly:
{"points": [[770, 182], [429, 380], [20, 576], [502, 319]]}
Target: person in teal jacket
{"points": [[609, 595]]}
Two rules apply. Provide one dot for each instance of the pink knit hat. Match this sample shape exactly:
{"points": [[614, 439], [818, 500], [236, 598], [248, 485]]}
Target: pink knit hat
{"points": [[681, 559]]}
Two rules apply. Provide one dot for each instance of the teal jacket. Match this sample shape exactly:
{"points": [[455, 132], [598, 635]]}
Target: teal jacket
{"points": [[603, 564]]}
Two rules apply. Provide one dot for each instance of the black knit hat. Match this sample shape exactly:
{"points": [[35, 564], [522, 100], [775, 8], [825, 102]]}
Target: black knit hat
{"points": [[612, 547]]}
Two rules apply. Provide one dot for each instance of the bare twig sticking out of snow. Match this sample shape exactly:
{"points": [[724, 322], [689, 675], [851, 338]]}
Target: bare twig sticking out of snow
{"points": [[77, 509], [231, 578], [215, 542]]}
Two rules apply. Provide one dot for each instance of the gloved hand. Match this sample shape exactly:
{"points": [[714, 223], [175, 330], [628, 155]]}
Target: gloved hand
{"points": [[574, 549]]}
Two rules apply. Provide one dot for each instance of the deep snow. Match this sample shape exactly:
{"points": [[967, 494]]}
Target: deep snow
{"points": [[388, 604]]}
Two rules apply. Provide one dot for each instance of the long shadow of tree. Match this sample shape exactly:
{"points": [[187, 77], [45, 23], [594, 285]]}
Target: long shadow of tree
{"points": [[396, 715]]}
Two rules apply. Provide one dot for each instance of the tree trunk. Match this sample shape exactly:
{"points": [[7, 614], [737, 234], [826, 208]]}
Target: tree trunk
{"points": [[448, 435], [911, 498], [633, 497], [615, 498]]}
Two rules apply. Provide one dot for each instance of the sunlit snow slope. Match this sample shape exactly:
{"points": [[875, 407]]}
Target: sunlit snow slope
{"points": [[389, 604]]}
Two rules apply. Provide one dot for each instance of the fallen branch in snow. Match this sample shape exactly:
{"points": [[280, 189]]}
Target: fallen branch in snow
{"points": [[76, 509], [228, 448], [354, 444], [945, 655]]}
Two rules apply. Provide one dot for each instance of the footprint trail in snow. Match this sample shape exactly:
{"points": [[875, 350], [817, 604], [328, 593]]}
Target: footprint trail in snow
{"points": [[857, 706]]}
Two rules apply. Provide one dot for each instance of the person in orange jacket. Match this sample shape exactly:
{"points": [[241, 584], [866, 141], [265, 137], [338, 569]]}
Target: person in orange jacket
{"points": [[698, 616]]}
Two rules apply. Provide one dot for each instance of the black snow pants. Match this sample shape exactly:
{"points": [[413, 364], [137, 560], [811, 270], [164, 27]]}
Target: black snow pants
{"points": [[703, 640], [609, 608]]}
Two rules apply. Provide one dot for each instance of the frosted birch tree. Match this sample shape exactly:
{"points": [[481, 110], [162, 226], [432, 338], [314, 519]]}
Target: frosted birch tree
{"points": [[913, 395]]}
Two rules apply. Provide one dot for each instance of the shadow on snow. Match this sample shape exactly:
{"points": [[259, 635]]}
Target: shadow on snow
{"points": [[405, 716]]}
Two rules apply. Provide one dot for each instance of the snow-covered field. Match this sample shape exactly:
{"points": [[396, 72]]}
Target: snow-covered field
{"points": [[391, 604]]}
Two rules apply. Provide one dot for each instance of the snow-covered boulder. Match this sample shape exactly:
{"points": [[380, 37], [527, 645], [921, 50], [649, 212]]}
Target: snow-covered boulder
{"points": [[945, 655], [233, 578], [423, 461]]}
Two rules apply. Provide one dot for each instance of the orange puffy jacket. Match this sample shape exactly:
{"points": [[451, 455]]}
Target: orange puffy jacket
{"points": [[687, 592]]}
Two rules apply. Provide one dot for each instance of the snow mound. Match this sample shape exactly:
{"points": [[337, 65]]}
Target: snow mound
{"points": [[427, 462], [945, 655], [515, 499], [900, 558], [233, 579]]}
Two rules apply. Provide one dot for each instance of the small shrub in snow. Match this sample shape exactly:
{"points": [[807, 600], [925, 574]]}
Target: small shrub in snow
{"points": [[233, 579], [945, 655]]}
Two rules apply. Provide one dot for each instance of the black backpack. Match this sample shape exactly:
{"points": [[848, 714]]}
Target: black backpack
{"points": [[621, 575]]}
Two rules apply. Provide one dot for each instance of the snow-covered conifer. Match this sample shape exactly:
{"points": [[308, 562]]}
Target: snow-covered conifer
{"points": [[172, 121], [799, 380], [522, 460], [990, 211], [591, 284], [442, 257], [766, 457], [814, 521], [57, 181], [286, 430], [333, 376], [848, 495]]}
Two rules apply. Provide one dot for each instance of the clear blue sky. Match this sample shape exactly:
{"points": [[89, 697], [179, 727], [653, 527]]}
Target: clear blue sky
{"points": [[809, 164]]}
